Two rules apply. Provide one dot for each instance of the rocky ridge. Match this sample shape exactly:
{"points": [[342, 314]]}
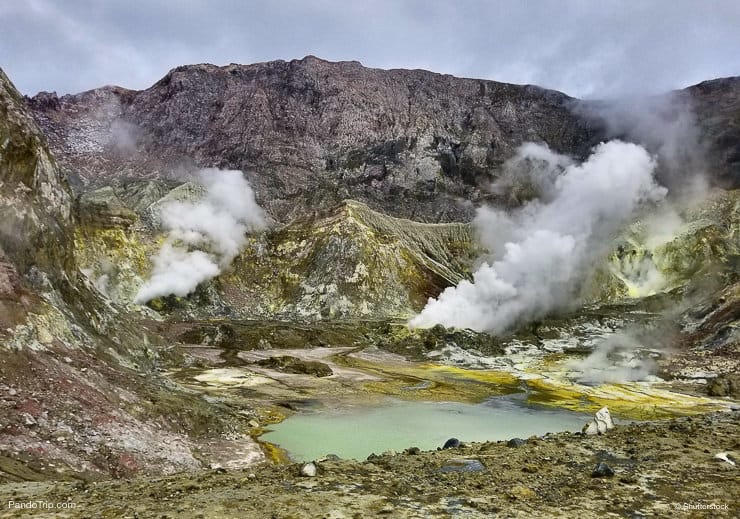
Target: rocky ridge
{"points": [[310, 133]]}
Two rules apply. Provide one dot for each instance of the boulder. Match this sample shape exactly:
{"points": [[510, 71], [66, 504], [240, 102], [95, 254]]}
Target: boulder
{"points": [[309, 470], [452, 443], [602, 470], [601, 423]]}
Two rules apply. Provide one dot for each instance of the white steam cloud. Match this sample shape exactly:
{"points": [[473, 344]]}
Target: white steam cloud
{"points": [[618, 358], [204, 236], [544, 250], [666, 126]]}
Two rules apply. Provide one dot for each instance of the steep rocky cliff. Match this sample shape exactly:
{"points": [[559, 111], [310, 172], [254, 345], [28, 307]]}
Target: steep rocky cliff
{"points": [[35, 201], [717, 107], [79, 383], [311, 133]]}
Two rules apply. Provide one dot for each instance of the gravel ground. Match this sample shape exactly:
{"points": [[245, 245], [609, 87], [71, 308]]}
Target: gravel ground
{"points": [[660, 469]]}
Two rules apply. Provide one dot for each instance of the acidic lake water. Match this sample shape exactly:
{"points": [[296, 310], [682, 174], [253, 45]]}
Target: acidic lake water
{"points": [[399, 424]]}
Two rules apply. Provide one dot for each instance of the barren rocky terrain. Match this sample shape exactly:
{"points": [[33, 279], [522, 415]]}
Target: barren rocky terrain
{"points": [[667, 469], [368, 180]]}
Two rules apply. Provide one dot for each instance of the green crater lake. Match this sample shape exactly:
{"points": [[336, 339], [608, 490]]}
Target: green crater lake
{"points": [[358, 432]]}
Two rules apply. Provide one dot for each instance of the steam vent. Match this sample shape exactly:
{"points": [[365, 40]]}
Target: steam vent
{"points": [[312, 288]]}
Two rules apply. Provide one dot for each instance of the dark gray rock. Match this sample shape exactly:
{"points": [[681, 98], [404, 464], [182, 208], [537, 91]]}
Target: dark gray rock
{"points": [[462, 465], [516, 442], [452, 443], [602, 470]]}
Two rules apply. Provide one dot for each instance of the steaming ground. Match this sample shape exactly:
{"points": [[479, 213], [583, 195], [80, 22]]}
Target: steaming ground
{"points": [[543, 252], [203, 236], [617, 358]]}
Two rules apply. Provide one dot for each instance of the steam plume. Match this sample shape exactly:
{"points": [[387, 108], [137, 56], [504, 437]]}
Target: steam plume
{"points": [[666, 126], [543, 251], [204, 236], [617, 358]]}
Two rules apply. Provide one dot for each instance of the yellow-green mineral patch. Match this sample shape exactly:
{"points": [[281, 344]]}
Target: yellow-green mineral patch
{"points": [[435, 382], [632, 400]]}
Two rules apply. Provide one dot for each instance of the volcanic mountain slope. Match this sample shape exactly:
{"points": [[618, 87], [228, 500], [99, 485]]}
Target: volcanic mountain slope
{"points": [[311, 133], [79, 385], [348, 262], [717, 107]]}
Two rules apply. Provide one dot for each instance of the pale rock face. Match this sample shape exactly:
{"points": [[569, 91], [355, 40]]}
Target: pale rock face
{"points": [[309, 470], [601, 423]]}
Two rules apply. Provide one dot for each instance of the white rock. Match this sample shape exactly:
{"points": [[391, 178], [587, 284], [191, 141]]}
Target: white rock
{"points": [[308, 470], [590, 428], [601, 423], [725, 456], [604, 420]]}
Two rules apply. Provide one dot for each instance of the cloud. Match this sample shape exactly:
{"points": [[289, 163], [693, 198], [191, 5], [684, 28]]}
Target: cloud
{"points": [[593, 49]]}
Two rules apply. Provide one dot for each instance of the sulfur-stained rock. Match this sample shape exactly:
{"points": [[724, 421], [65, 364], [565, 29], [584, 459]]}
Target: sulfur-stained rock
{"points": [[350, 262], [35, 200], [103, 208]]}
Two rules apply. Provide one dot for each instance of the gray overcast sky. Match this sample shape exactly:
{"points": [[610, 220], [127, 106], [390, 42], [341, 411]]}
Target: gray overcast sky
{"points": [[592, 48]]}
